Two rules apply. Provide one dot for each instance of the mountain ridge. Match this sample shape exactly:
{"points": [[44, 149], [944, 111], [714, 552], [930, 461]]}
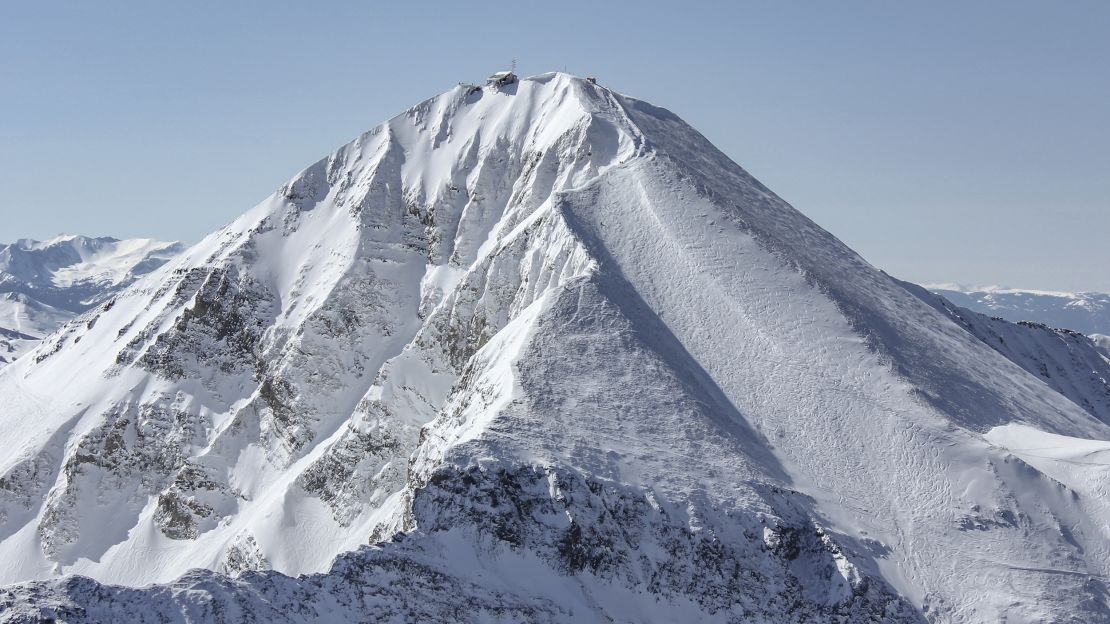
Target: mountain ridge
{"points": [[1086, 312]]}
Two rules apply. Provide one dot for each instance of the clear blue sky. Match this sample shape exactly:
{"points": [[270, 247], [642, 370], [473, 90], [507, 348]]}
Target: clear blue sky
{"points": [[947, 141]]}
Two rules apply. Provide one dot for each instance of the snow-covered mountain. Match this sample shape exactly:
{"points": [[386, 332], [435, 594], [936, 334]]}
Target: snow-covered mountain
{"points": [[539, 352], [1085, 312], [44, 284]]}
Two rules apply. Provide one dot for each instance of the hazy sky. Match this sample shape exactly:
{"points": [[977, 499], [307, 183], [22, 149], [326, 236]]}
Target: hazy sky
{"points": [[953, 141]]}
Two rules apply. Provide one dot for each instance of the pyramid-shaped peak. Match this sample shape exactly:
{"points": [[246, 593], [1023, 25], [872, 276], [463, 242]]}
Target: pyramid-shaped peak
{"points": [[581, 366]]}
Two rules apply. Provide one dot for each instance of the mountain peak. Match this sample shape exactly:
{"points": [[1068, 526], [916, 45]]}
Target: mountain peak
{"points": [[539, 330]]}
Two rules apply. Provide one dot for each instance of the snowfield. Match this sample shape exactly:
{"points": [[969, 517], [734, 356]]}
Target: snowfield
{"points": [[540, 352]]}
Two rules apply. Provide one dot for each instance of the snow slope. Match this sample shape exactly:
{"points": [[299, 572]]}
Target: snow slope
{"points": [[1085, 312], [535, 352], [45, 284]]}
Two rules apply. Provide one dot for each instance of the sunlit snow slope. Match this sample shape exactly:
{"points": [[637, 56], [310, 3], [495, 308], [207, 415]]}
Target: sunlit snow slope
{"points": [[558, 359]]}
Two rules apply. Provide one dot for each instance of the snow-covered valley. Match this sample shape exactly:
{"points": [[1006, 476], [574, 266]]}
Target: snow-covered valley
{"points": [[538, 351]]}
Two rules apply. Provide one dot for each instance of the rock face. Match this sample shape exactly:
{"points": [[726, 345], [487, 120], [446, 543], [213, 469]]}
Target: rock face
{"points": [[45, 284], [538, 352]]}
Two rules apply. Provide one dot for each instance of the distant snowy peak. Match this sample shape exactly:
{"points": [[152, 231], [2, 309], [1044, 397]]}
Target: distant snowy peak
{"points": [[1085, 312], [70, 271], [43, 284]]}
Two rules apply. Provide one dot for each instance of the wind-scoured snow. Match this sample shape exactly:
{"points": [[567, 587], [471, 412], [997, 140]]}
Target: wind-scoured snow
{"points": [[540, 352]]}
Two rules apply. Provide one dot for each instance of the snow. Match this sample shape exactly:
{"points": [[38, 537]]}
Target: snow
{"points": [[71, 259], [999, 290], [1070, 363], [1103, 342], [558, 358], [1080, 466], [44, 284]]}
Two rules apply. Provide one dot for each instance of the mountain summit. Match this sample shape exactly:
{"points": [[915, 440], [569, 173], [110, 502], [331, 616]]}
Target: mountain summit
{"points": [[539, 351]]}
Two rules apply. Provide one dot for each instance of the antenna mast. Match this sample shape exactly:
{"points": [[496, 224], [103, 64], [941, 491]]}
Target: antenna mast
{"points": [[513, 68]]}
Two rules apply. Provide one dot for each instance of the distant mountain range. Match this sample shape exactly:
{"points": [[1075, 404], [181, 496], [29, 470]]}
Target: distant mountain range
{"points": [[1084, 312], [43, 284]]}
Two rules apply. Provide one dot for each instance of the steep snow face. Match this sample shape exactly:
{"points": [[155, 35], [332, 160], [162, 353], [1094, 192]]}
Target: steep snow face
{"points": [[558, 359], [1085, 312], [45, 284]]}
